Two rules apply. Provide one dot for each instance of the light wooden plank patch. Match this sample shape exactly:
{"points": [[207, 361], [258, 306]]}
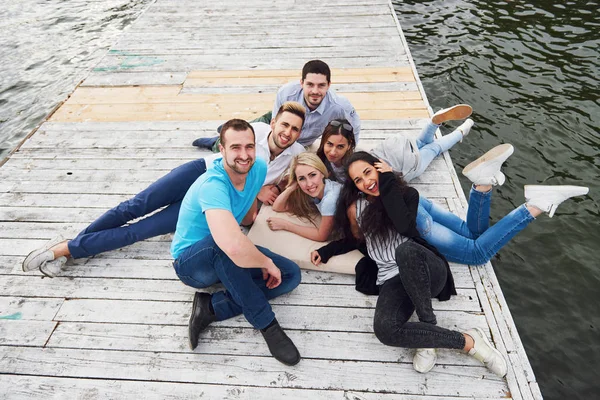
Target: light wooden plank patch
{"points": [[164, 94], [259, 371], [25, 333]]}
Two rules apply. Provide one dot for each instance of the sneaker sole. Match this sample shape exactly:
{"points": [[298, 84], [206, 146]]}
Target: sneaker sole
{"points": [[457, 112], [502, 151], [534, 190]]}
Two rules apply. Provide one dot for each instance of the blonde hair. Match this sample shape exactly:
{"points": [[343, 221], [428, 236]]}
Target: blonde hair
{"points": [[299, 203], [292, 107]]}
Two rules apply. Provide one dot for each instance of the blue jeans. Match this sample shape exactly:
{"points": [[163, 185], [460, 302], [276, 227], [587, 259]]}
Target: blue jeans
{"points": [[203, 264], [110, 232], [430, 148], [472, 242]]}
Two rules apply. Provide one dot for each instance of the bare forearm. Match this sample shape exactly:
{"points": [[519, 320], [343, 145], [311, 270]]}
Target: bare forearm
{"points": [[309, 232], [280, 205], [244, 253]]}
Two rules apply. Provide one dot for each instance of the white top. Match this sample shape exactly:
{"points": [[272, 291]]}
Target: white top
{"points": [[275, 168]]}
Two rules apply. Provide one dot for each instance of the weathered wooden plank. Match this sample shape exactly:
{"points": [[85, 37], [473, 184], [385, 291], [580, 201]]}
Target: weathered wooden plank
{"points": [[103, 201], [205, 125], [187, 35], [235, 341], [173, 290], [295, 317], [28, 309], [132, 188], [25, 333], [107, 266], [20, 387], [137, 78], [165, 165], [149, 139], [287, 59], [142, 175], [259, 371]]}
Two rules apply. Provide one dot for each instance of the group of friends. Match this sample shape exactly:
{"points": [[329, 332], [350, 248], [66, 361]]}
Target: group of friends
{"points": [[359, 199]]}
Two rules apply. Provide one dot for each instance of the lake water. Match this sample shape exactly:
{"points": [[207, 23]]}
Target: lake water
{"points": [[48, 47], [530, 69]]}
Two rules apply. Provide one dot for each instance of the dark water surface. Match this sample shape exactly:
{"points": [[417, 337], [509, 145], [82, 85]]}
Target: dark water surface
{"points": [[530, 69], [47, 47]]}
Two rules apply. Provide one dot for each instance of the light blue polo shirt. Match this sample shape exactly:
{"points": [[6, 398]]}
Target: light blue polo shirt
{"points": [[214, 190], [333, 106]]}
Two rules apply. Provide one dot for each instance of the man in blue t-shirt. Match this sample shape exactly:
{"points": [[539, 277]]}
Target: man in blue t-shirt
{"points": [[209, 246]]}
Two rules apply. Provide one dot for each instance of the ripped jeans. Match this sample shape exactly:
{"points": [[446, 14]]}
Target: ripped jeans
{"points": [[472, 242]]}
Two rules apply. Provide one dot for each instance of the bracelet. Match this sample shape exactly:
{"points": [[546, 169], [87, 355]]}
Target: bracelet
{"points": [[278, 188]]}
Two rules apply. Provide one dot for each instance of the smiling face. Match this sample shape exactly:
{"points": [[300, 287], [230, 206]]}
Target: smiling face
{"points": [[310, 180], [335, 148], [365, 177], [315, 88], [286, 129], [239, 151]]}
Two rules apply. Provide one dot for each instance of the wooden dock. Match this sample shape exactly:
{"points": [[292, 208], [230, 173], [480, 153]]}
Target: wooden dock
{"points": [[115, 326]]}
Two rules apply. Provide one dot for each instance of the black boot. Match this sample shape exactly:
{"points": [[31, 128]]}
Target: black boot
{"points": [[201, 317], [280, 345]]}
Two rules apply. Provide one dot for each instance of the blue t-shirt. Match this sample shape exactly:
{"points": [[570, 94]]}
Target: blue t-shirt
{"points": [[331, 194], [214, 190]]}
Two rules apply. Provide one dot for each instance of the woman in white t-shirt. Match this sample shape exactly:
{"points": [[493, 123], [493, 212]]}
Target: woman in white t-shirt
{"points": [[308, 195]]}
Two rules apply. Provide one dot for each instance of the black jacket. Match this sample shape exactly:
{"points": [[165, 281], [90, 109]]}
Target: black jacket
{"points": [[401, 204]]}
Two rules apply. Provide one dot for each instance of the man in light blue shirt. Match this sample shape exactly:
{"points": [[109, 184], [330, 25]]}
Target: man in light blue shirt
{"points": [[322, 105], [209, 247]]}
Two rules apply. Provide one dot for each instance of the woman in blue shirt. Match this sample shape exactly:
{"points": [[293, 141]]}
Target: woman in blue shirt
{"points": [[308, 195]]}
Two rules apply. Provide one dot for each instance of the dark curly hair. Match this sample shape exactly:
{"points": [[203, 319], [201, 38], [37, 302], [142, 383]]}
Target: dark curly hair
{"points": [[375, 222]]}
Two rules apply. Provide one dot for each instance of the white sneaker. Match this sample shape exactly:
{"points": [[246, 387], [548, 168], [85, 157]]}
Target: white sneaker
{"points": [[424, 360], [457, 112], [52, 268], [486, 169], [465, 128], [548, 198], [486, 353], [39, 256]]}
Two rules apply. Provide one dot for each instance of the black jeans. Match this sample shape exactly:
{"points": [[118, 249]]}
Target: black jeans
{"points": [[422, 276]]}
